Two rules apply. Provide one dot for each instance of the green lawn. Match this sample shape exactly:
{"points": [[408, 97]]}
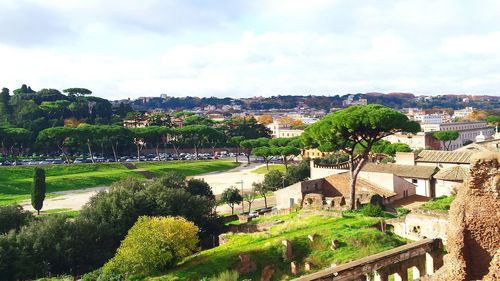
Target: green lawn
{"points": [[263, 170], [15, 182], [357, 239], [69, 212], [440, 204]]}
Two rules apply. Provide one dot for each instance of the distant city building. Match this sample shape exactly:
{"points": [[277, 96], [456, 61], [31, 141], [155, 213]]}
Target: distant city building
{"points": [[462, 113], [137, 123], [277, 131], [433, 118], [468, 131], [350, 101]]}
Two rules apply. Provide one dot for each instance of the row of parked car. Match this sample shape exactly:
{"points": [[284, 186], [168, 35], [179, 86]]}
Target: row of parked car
{"points": [[79, 159]]}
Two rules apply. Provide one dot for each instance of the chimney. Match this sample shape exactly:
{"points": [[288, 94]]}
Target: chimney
{"points": [[405, 158]]}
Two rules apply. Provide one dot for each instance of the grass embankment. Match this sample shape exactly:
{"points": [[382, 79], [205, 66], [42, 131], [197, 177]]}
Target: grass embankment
{"points": [[272, 167], [440, 204], [357, 239], [15, 182]]}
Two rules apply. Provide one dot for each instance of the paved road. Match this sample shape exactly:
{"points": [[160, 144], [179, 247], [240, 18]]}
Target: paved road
{"points": [[222, 180], [75, 199]]}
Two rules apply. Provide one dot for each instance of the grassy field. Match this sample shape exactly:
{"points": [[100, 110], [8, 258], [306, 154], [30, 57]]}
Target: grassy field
{"points": [[263, 170], [69, 212], [15, 182], [440, 204], [357, 239]]}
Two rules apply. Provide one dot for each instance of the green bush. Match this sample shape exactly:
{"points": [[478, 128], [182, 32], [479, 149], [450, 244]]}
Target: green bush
{"points": [[371, 210], [441, 203], [402, 211], [12, 217], [226, 276], [154, 244]]}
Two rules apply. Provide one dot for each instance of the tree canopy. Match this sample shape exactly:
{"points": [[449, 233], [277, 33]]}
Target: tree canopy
{"points": [[356, 126], [446, 137]]}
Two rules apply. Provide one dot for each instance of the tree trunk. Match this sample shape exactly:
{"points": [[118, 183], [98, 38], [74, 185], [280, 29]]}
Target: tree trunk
{"points": [[213, 150], [90, 151], [138, 153], [237, 153], [176, 150], [267, 163], [114, 151], [249, 206], [38, 212], [248, 157], [265, 200], [63, 153], [354, 171], [285, 161], [232, 210], [158, 151], [196, 151]]}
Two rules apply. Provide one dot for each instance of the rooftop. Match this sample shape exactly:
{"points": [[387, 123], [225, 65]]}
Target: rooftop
{"points": [[457, 173], [406, 171], [437, 156]]}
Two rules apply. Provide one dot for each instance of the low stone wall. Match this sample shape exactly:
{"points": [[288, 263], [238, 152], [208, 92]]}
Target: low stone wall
{"points": [[420, 225]]}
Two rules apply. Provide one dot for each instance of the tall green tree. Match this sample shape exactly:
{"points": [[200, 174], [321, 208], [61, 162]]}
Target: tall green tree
{"points": [[231, 196], [236, 142], [262, 189], [57, 136], [265, 152], [286, 148], [353, 127], [5, 107], [446, 137], [38, 189], [250, 144], [75, 92]]}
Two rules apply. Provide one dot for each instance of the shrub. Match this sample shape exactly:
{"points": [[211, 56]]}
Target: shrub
{"points": [[298, 172], [275, 180], [371, 210], [226, 276], [154, 244], [402, 211], [12, 217]]}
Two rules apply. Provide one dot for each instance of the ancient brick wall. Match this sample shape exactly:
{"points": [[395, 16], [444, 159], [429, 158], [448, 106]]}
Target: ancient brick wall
{"points": [[474, 223]]}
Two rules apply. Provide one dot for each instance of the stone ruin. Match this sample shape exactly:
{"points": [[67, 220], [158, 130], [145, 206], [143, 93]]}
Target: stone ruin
{"points": [[474, 225]]}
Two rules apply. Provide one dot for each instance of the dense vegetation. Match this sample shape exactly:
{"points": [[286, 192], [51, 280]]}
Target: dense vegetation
{"points": [[52, 245]]}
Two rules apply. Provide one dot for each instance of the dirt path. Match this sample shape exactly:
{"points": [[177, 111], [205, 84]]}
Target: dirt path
{"points": [[75, 199]]}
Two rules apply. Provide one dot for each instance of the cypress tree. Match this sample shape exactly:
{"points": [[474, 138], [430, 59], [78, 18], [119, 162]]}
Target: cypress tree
{"points": [[38, 190]]}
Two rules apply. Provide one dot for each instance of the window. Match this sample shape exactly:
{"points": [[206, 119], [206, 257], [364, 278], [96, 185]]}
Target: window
{"points": [[414, 181]]}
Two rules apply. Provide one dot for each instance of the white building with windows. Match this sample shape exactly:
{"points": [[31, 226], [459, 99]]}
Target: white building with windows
{"points": [[468, 132]]}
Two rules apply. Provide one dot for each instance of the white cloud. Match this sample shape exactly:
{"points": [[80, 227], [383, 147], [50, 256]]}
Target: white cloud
{"points": [[150, 47]]}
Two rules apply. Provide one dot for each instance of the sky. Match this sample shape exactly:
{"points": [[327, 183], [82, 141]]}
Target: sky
{"points": [[234, 48]]}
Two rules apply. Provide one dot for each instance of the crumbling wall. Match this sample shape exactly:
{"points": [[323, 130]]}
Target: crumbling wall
{"points": [[474, 223]]}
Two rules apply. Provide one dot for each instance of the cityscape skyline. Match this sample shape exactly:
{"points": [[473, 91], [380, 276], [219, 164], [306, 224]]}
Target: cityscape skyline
{"points": [[241, 49]]}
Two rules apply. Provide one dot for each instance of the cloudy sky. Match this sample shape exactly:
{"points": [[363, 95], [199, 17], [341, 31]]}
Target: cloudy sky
{"points": [[237, 48]]}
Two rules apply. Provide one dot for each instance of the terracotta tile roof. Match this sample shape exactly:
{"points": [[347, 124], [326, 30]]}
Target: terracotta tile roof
{"points": [[437, 156], [340, 182], [405, 171], [457, 173]]}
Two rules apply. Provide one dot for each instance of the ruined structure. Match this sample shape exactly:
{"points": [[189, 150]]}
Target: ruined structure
{"points": [[473, 239], [474, 225]]}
